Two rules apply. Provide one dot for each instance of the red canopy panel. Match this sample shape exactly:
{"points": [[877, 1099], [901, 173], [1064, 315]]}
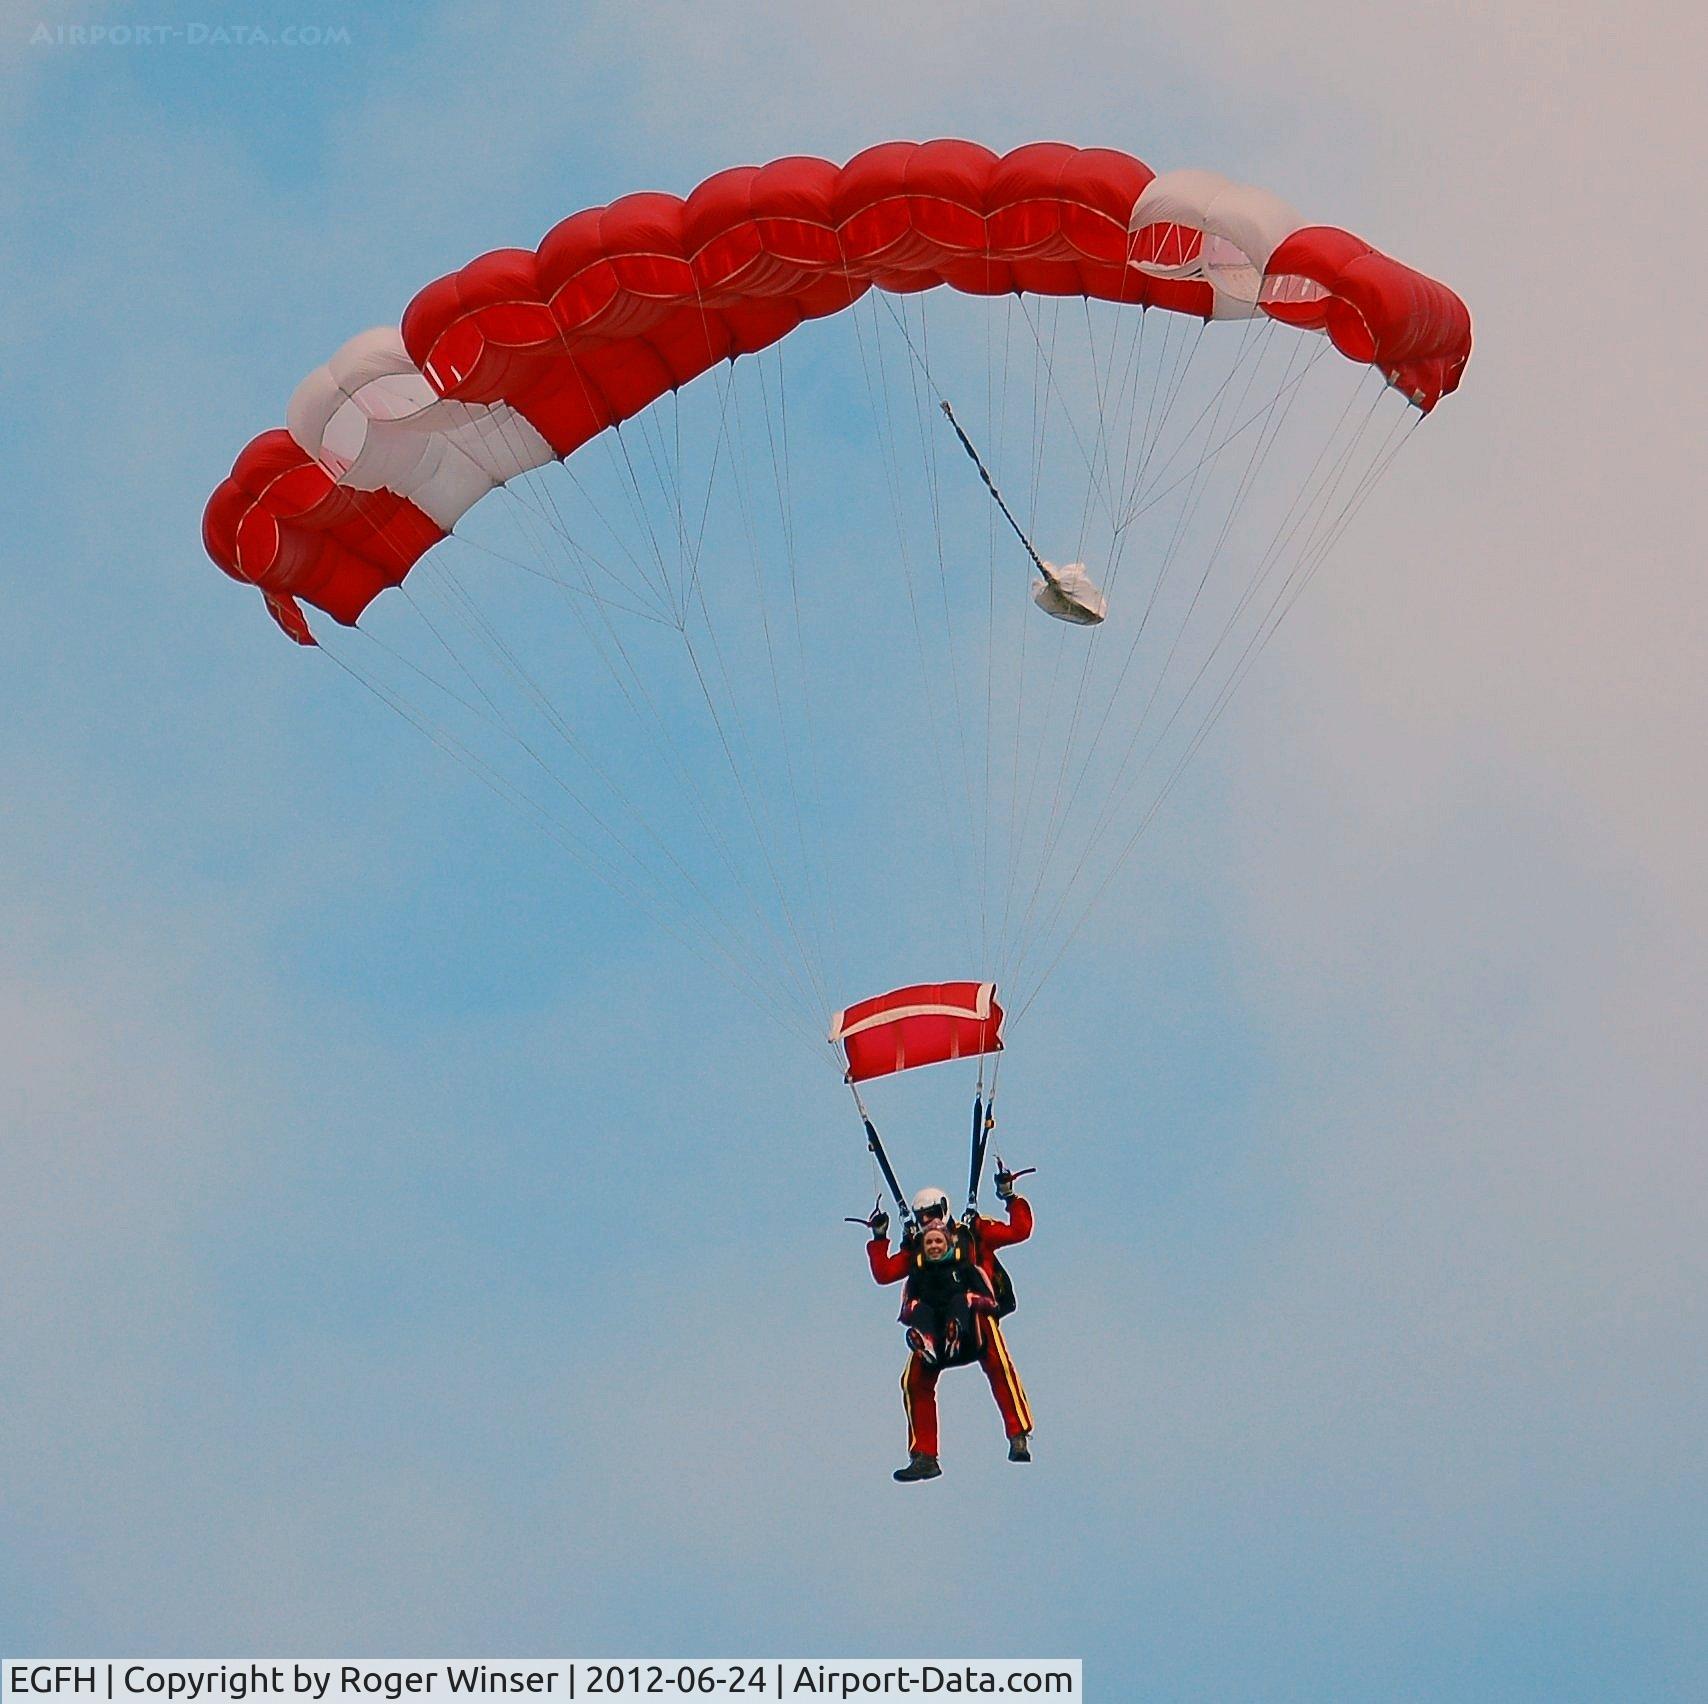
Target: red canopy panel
{"points": [[922, 1025]]}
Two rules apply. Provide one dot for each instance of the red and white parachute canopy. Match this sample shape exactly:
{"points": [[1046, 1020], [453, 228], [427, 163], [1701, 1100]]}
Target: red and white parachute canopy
{"points": [[524, 355]]}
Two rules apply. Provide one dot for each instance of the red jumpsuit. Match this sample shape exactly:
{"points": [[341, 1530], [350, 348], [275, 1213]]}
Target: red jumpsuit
{"points": [[919, 1377]]}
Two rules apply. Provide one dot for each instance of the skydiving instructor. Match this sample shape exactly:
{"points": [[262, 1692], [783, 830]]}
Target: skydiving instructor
{"points": [[964, 1251]]}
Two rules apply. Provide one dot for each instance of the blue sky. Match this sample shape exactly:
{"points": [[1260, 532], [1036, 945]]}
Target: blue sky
{"points": [[410, 1252]]}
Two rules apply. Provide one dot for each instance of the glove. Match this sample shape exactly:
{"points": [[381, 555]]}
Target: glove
{"points": [[1004, 1184], [879, 1225]]}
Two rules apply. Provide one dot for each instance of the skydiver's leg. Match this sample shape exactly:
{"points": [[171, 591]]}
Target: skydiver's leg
{"points": [[1005, 1383], [924, 1328], [919, 1399]]}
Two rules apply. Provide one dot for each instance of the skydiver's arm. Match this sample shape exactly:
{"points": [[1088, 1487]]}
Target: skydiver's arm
{"points": [[981, 1293], [1017, 1230], [887, 1267]]}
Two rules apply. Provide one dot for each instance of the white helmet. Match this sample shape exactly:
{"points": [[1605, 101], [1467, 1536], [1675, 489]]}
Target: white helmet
{"points": [[931, 1204]]}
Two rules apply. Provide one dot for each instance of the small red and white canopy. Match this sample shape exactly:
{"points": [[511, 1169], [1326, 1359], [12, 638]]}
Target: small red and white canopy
{"points": [[921, 1025]]}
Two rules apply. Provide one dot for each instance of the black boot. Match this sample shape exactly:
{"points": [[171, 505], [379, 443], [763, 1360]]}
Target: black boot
{"points": [[1019, 1448], [918, 1467]]}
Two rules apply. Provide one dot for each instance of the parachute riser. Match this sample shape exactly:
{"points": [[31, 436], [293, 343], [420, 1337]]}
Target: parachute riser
{"points": [[984, 1119], [876, 1147]]}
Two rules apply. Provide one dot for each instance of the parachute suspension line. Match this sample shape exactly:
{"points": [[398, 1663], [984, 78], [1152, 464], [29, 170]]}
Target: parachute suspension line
{"points": [[999, 421], [1127, 400], [711, 476], [952, 647], [664, 452], [1167, 385], [643, 521], [1185, 360], [664, 456], [732, 732], [782, 474], [645, 427], [1097, 461], [666, 744], [1119, 536], [918, 365], [1319, 543], [1148, 500], [1116, 795], [692, 554], [534, 501], [680, 930], [426, 676], [1088, 659], [1188, 513], [694, 591], [1095, 488], [616, 447], [978, 798], [549, 713], [532, 496], [1261, 568], [732, 723], [539, 573], [596, 509], [1097, 470], [1331, 523], [1129, 405], [1061, 803], [1042, 394], [884, 434], [1088, 654], [1127, 408], [755, 805], [1319, 554], [1100, 468], [454, 596], [495, 719], [1090, 650], [997, 413], [1266, 442], [1268, 435], [813, 972], [1314, 496], [1248, 659], [718, 445], [1120, 791], [456, 749], [814, 869], [1085, 455]]}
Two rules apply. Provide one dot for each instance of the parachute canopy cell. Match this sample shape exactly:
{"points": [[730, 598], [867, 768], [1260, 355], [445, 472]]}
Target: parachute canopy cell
{"points": [[925, 1024]]}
